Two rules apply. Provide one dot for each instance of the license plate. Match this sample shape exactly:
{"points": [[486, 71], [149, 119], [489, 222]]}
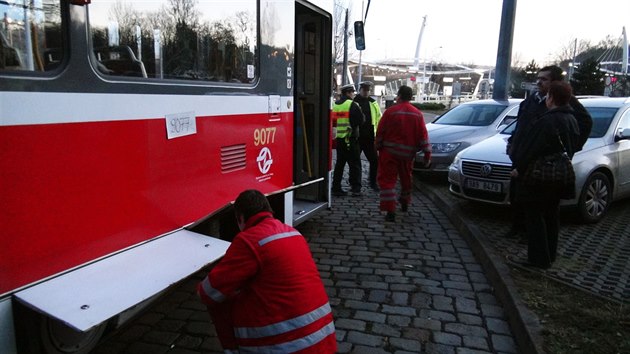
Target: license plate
{"points": [[483, 185]]}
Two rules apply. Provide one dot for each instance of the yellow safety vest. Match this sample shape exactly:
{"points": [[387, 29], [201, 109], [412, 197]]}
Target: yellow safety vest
{"points": [[342, 113], [375, 113]]}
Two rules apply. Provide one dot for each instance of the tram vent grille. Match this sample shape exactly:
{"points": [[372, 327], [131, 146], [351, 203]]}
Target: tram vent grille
{"points": [[233, 158]]}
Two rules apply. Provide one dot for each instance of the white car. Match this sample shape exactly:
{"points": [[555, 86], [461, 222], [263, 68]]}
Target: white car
{"points": [[482, 171], [463, 126]]}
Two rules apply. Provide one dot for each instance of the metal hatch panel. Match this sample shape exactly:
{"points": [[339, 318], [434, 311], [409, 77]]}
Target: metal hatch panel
{"points": [[97, 292]]}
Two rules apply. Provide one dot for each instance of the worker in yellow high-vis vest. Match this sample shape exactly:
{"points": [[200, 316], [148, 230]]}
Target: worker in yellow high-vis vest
{"points": [[348, 150]]}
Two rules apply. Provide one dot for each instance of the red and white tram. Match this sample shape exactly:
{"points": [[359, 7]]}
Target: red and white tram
{"points": [[126, 129]]}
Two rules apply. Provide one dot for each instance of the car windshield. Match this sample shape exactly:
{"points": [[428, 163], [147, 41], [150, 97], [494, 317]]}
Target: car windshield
{"points": [[602, 116], [509, 129], [471, 115]]}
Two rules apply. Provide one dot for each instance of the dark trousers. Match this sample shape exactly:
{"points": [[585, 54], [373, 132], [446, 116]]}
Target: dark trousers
{"points": [[543, 226], [516, 207], [350, 153], [368, 149]]}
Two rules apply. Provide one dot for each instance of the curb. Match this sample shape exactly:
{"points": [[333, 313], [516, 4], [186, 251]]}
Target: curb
{"points": [[524, 323]]}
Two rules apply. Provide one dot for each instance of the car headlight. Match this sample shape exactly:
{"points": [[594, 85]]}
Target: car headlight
{"points": [[445, 147], [456, 160]]}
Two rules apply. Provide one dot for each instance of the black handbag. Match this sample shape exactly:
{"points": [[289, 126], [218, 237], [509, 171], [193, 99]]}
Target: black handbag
{"points": [[553, 170]]}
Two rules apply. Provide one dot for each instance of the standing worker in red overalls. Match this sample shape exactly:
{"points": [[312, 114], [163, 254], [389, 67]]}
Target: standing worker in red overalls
{"points": [[400, 134], [265, 295]]}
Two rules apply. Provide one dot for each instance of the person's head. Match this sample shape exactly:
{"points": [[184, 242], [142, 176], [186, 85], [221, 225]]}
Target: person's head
{"points": [[364, 88], [546, 76], [248, 204], [404, 93], [347, 91], [559, 94]]}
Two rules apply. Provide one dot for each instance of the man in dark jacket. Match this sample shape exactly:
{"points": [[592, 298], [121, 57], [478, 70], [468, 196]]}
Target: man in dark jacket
{"points": [[348, 150], [530, 109], [369, 109]]}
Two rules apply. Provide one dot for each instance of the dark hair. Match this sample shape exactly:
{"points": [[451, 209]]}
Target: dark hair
{"points": [[250, 203], [555, 71], [405, 93], [561, 92]]}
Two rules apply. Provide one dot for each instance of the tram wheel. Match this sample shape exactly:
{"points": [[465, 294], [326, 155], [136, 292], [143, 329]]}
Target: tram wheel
{"points": [[38, 333]]}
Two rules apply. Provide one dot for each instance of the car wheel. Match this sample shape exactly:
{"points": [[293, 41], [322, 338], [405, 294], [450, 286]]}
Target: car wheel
{"points": [[595, 198]]}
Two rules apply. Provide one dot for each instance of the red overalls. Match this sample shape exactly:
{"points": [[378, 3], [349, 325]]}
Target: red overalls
{"points": [[400, 134], [266, 295]]}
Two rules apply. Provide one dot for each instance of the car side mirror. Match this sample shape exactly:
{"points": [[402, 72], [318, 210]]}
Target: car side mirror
{"points": [[622, 134]]}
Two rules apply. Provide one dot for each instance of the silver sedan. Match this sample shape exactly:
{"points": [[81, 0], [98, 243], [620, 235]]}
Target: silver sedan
{"points": [[482, 172], [463, 126]]}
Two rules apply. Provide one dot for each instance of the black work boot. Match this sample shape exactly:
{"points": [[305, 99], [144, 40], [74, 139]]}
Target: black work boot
{"points": [[339, 193], [391, 216], [404, 206]]}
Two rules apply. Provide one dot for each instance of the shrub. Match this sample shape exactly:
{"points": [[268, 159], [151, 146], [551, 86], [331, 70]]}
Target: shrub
{"points": [[429, 106]]}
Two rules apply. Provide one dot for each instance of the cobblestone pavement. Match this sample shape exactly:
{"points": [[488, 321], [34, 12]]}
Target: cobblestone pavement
{"points": [[406, 287], [592, 257], [412, 286]]}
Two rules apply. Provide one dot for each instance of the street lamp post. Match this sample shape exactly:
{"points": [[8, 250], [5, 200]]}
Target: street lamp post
{"points": [[572, 63]]}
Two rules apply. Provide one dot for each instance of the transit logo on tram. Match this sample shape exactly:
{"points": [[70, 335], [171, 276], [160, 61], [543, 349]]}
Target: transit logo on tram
{"points": [[264, 160]]}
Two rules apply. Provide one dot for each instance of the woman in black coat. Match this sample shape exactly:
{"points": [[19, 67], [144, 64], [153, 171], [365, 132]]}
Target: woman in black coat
{"points": [[554, 131]]}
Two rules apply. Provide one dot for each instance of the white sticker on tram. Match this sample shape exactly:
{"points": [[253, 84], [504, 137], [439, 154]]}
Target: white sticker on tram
{"points": [[26, 108], [180, 124]]}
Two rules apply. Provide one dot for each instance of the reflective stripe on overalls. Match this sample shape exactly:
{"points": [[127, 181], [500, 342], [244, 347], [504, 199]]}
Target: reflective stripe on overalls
{"points": [[401, 150]]}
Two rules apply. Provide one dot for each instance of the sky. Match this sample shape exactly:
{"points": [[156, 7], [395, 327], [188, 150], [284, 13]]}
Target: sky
{"points": [[467, 31]]}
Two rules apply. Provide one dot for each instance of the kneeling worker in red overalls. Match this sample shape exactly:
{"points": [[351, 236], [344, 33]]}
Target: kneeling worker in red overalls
{"points": [[400, 134], [265, 295]]}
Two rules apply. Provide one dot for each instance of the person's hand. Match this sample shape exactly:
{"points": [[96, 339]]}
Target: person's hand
{"points": [[426, 162], [514, 173]]}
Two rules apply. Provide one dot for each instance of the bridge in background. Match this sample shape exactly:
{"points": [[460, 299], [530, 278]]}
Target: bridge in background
{"points": [[430, 82], [445, 82]]}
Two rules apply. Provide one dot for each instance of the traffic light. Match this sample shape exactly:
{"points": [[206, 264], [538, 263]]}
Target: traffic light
{"points": [[359, 35]]}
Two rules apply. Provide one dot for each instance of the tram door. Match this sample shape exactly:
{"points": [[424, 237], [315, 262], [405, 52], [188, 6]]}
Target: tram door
{"points": [[312, 102]]}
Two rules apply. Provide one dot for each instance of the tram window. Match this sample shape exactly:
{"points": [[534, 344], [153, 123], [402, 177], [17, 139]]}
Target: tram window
{"points": [[208, 40], [31, 35]]}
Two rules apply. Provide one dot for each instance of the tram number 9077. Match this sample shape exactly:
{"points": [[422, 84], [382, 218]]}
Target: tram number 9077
{"points": [[264, 136]]}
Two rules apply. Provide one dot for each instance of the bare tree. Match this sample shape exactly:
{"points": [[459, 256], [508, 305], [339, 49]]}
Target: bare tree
{"points": [[184, 11], [571, 49], [339, 19], [517, 60], [243, 21], [127, 17]]}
